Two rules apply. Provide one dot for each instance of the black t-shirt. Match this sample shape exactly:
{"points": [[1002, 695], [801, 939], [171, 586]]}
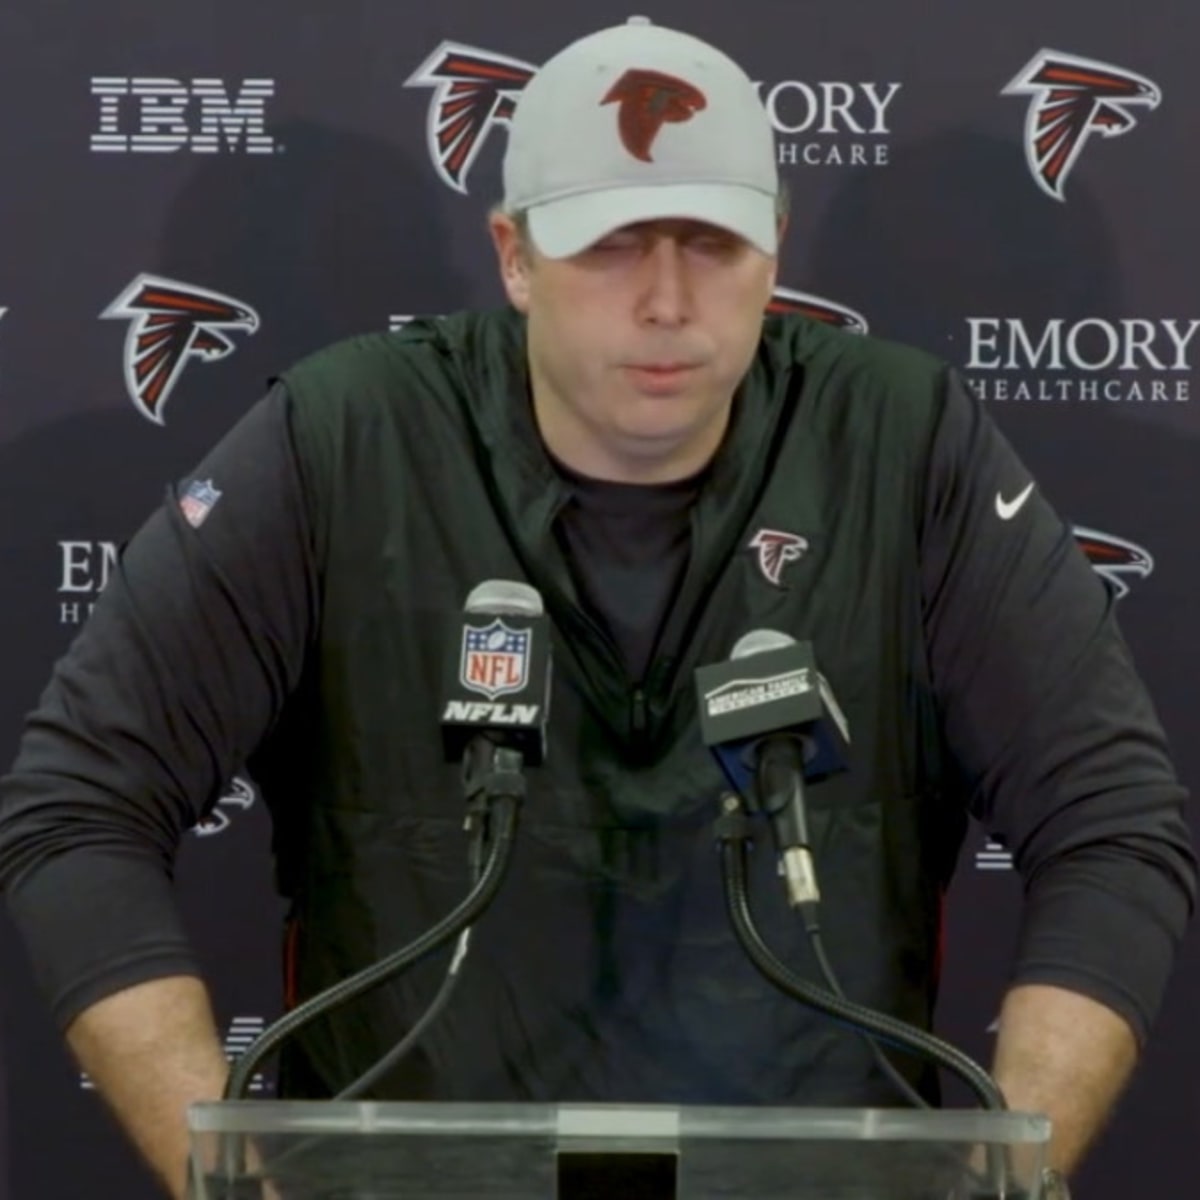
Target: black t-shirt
{"points": [[627, 545]]}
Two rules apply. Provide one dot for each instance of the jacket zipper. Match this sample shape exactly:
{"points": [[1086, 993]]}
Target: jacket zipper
{"points": [[639, 719], [638, 723]]}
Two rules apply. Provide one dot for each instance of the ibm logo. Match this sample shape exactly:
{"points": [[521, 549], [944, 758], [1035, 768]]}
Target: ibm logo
{"points": [[242, 1031], [146, 115], [994, 857]]}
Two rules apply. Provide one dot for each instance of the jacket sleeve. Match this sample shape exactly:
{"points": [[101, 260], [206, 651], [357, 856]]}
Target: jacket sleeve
{"points": [[180, 671], [1063, 756]]}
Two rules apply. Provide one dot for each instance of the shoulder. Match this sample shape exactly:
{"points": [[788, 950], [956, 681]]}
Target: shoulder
{"points": [[851, 378], [427, 349], [391, 394], [844, 355], [425, 361]]}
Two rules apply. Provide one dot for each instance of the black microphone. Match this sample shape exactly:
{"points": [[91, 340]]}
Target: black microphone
{"points": [[497, 683], [772, 722]]}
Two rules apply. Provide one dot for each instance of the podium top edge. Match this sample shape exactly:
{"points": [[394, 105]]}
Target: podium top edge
{"points": [[649, 1122]]}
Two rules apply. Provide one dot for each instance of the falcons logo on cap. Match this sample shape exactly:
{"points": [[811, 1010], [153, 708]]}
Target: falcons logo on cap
{"points": [[648, 100], [1114, 559], [473, 91], [1072, 99], [169, 324], [785, 300], [776, 550]]}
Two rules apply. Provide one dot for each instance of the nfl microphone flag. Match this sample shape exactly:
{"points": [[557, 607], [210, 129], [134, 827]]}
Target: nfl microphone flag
{"points": [[498, 676]]}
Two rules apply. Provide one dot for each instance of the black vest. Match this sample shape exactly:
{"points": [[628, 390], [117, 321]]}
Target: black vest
{"points": [[607, 968]]}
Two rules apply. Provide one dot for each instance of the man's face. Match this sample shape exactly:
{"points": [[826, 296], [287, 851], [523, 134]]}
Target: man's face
{"points": [[637, 344]]}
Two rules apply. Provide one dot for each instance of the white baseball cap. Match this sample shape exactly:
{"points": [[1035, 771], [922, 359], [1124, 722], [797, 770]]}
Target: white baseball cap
{"points": [[637, 123]]}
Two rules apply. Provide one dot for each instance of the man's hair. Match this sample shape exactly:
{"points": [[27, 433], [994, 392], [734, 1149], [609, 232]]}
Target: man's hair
{"points": [[520, 217]]}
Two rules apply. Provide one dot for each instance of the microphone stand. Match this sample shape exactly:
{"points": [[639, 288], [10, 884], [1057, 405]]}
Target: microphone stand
{"points": [[495, 787], [732, 831]]}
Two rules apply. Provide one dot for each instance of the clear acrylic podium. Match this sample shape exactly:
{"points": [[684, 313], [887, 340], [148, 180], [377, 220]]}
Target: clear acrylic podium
{"points": [[309, 1150]]}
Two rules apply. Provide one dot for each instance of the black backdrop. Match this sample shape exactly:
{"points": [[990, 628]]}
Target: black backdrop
{"points": [[278, 152]]}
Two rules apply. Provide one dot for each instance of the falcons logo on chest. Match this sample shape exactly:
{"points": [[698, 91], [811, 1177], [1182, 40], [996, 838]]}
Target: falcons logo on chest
{"points": [[171, 323], [473, 92], [775, 551], [1073, 98]]}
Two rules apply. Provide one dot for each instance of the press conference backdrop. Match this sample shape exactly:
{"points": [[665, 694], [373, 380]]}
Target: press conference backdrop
{"points": [[1014, 187]]}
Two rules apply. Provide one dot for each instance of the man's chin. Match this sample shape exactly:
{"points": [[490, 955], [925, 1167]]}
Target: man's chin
{"points": [[658, 426]]}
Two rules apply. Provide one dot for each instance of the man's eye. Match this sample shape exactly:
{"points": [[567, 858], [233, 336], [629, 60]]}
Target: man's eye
{"points": [[617, 242], [713, 243]]}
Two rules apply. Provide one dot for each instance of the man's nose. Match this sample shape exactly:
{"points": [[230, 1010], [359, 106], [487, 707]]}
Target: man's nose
{"points": [[666, 294]]}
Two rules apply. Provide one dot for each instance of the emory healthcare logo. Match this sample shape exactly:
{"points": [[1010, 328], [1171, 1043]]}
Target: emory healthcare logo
{"points": [[84, 568], [171, 323], [1070, 99], [1089, 359]]}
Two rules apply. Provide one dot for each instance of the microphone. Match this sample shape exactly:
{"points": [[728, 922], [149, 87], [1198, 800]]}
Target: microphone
{"points": [[503, 651], [773, 723], [497, 683]]}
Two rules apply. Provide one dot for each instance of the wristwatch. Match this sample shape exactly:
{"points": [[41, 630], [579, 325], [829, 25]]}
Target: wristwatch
{"points": [[1054, 1185]]}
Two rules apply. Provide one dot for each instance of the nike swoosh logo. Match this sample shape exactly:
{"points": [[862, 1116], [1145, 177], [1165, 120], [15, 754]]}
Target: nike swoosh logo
{"points": [[1007, 509]]}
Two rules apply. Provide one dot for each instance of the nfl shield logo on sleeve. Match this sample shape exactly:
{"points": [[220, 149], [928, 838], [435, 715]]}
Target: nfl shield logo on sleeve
{"points": [[197, 502], [495, 659]]}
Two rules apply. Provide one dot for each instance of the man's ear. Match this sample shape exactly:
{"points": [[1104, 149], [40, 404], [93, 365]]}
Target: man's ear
{"points": [[514, 258], [773, 277]]}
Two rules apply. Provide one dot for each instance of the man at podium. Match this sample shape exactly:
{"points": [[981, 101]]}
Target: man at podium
{"points": [[667, 471]]}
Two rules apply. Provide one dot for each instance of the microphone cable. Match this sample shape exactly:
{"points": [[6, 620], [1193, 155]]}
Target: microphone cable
{"points": [[438, 1004], [505, 788], [733, 835]]}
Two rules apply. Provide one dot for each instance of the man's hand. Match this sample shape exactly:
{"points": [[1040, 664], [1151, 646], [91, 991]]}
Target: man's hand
{"points": [[152, 1050], [1065, 1055]]}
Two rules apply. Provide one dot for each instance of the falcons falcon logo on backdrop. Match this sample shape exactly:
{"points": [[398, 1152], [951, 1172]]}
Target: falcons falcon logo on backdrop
{"points": [[473, 92], [785, 300], [1114, 559], [171, 323], [238, 796], [1072, 98]]}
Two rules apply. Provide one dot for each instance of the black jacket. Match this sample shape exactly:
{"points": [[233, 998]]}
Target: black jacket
{"points": [[306, 623]]}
